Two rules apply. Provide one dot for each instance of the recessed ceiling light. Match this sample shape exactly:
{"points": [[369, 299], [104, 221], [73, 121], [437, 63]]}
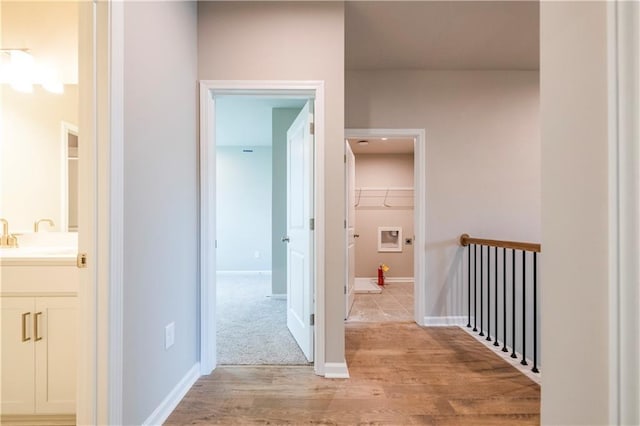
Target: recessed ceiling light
{"points": [[363, 143], [384, 139]]}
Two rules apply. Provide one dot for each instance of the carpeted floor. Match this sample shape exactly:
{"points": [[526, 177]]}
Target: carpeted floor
{"points": [[252, 326]]}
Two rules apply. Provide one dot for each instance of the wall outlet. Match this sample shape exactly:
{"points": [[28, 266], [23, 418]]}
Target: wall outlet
{"points": [[256, 254], [169, 335]]}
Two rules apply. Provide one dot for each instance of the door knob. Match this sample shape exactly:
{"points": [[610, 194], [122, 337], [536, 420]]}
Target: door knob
{"points": [[285, 239], [356, 235]]}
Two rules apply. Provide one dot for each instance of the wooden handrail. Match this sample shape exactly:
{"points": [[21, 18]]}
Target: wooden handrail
{"points": [[465, 240]]}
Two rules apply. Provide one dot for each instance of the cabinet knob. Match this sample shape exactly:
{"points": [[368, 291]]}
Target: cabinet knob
{"points": [[24, 327]]}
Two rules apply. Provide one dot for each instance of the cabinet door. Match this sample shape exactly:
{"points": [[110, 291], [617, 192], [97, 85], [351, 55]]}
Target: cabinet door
{"points": [[17, 383], [55, 349]]}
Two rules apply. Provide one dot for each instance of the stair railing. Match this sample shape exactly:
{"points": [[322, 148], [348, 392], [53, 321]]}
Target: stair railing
{"points": [[511, 286]]}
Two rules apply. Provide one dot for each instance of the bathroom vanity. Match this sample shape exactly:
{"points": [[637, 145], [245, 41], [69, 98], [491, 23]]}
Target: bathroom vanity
{"points": [[38, 301]]}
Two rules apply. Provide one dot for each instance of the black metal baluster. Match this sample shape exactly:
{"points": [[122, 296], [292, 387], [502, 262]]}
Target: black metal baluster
{"points": [[481, 293], [504, 300], [475, 288], [513, 304], [469, 289], [524, 309], [495, 284], [488, 339], [535, 314]]}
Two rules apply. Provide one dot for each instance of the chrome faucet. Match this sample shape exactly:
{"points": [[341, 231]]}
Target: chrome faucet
{"points": [[7, 240], [36, 224]]}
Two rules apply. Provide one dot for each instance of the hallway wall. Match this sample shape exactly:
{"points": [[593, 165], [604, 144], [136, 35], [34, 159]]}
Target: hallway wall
{"points": [[483, 159], [291, 41], [160, 202], [575, 214]]}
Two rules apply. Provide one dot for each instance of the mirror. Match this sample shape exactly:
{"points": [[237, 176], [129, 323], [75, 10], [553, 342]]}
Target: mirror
{"points": [[38, 109]]}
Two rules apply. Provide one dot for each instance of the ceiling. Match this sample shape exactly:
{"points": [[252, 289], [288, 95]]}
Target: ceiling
{"points": [[246, 120], [379, 146], [466, 35]]}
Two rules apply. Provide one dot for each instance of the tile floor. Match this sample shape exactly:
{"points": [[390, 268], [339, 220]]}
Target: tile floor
{"points": [[395, 303]]}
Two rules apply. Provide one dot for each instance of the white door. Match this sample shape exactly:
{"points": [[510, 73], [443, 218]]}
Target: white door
{"points": [[299, 231], [350, 161]]}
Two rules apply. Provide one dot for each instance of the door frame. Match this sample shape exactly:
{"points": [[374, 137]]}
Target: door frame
{"points": [[420, 207], [101, 231], [275, 88]]}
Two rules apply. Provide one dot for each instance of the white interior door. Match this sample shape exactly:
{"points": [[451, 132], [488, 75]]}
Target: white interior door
{"points": [[351, 227], [299, 231]]}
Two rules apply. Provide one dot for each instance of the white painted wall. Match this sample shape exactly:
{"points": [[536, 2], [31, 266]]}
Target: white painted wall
{"points": [[575, 198], [291, 41], [378, 171], [31, 154], [160, 203], [243, 228], [483, 158]]}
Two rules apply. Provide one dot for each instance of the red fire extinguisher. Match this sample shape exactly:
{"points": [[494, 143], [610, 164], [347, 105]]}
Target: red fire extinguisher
{"points": [[380, 276]]}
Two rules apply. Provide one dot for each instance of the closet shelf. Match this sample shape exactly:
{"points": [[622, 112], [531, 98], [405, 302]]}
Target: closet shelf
{"points": [[392, 196]]}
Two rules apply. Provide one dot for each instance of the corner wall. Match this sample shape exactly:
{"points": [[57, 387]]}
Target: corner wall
{"points": [[160, 202], [291, 41], [575, 238], [483, 159]]}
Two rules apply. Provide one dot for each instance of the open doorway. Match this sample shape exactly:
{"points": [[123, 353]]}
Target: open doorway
{"points": [[304, 238], [252, 134], [381, 217]]}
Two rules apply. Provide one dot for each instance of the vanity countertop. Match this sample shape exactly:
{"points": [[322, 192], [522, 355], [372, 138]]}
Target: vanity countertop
{"points": [[38, 256]]}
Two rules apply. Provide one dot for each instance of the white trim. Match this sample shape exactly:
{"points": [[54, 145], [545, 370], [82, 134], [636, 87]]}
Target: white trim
{"points": [[444, 321], [270, 88], [515, 362], [65, 129], [419, 210], [115, 226], [391, 280], [336, 370], [624, 211], [171, 401], [243, 272]]}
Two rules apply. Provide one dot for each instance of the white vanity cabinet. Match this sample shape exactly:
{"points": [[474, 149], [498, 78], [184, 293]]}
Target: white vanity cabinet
{"points": [[38, 341], [38, 355]]}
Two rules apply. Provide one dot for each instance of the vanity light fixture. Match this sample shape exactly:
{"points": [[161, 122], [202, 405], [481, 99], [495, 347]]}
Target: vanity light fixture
{"points": [[21, 72]]}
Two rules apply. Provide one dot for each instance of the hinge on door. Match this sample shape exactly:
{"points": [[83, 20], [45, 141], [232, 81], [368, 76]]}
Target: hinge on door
{"points": [[345, 289], [345, 158], [312, 224], [345, 224], [312, 128], [312, 319]]}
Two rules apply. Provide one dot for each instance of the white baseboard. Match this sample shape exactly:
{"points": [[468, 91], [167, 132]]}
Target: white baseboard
{"points": [[171, 401], [444, 321], [398, 280], [243, 272], [336, 370], [388, 280], [279, 296]]}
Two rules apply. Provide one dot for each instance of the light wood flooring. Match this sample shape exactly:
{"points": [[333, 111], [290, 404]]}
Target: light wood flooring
{"points": [[401, 374], [395, 303]]}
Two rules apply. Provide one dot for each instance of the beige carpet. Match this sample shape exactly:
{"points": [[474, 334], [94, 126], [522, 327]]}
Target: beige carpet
{"points": [[252, 326]]}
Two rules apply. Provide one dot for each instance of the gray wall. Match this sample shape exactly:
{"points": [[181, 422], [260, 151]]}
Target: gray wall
{"points": [[483, 159], [160, 201], [383, 170], [575, 220], [243, 187], [291, 41], [282, 120]]}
